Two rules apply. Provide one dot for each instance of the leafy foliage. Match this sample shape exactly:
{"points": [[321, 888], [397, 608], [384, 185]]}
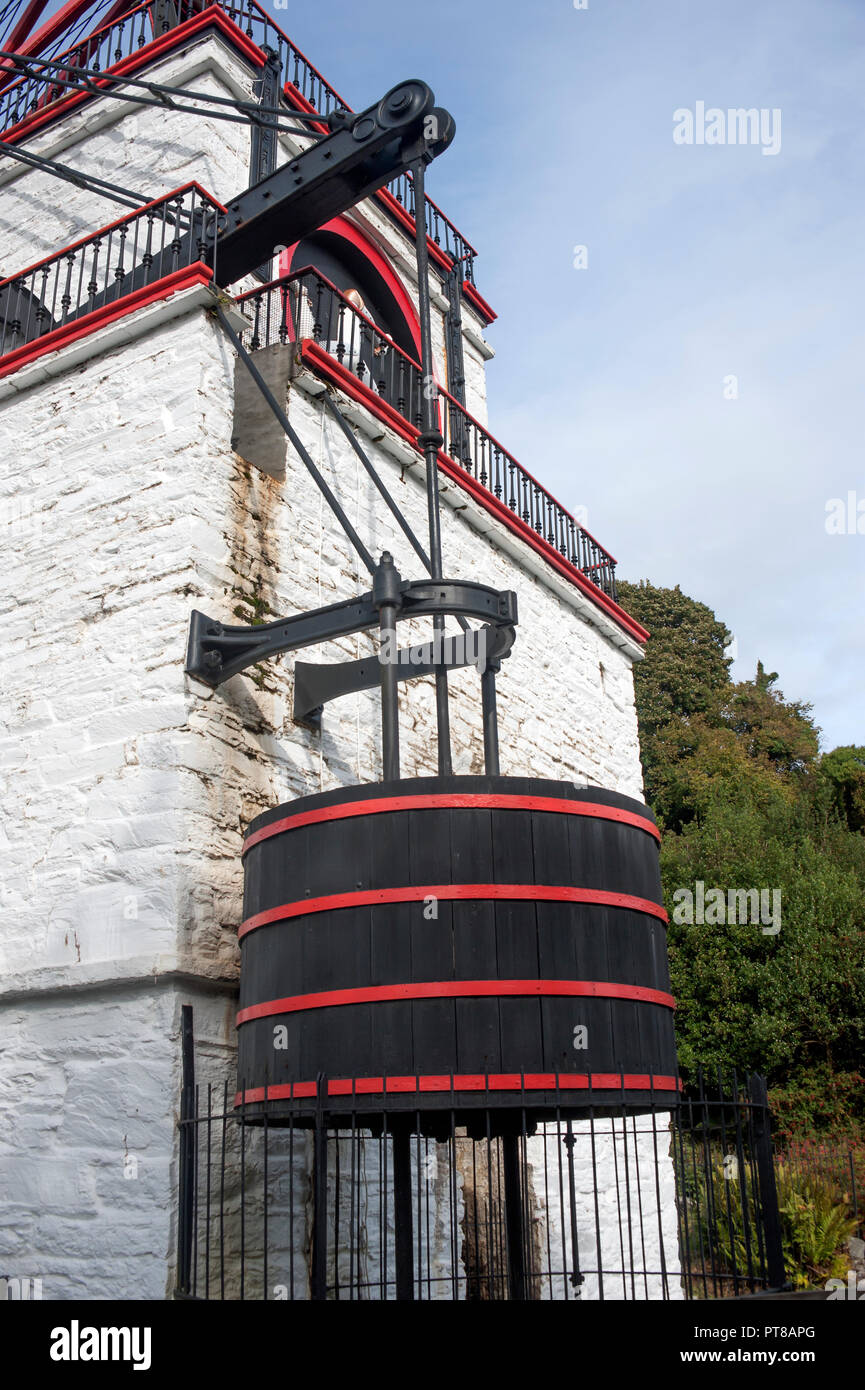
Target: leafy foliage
{"points": [[746, 802], [815, 1223]]}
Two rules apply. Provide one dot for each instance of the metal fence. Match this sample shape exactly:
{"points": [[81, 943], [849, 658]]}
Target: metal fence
{"points": [[589, 1205], [126, 256], [303, 85], [306, 304], [838, 1167]]}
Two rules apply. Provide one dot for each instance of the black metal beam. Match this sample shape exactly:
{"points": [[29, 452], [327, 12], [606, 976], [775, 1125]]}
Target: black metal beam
{"points": [[317, 683], [363, 152]]}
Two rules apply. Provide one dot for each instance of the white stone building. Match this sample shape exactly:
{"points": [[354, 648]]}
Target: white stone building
{"points": [[127, 785]]}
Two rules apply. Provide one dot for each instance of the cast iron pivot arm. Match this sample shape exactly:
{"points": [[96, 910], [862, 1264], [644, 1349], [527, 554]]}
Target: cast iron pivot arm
{"points": [[363, 152]]}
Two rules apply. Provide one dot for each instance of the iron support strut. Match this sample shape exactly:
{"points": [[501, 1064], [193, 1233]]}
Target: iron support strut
{"points": [[490, 718], [431, 440], [386, 597]]}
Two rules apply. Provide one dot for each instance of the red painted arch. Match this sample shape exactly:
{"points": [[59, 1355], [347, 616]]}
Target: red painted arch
{"points": [[341, 227]]}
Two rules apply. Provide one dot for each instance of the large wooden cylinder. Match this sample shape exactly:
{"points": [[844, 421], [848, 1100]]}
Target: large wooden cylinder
{"points": [[454, 943]]}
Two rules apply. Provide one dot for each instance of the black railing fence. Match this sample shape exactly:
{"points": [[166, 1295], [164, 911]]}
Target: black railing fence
{"points": [[305, 88], [582, 1206], [102, 268], [306, 304]]}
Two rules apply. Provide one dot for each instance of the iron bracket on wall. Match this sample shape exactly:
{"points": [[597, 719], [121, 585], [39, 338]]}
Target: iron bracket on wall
{"points": [[217, 651], [315, 684]]}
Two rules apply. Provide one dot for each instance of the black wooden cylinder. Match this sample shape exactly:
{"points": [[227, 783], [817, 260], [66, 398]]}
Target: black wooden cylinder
{"points": [[454, 943]]}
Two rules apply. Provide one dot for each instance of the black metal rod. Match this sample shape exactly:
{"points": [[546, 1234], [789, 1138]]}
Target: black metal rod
{"points": [[318, 1264], [187, 1151], [403, 1216], [389, 697], [296, 441], [490, 720], [766, 1176], [431, 440], [389, 502], [115, 192], [384, 491], [514, 1217], [387, 596]]}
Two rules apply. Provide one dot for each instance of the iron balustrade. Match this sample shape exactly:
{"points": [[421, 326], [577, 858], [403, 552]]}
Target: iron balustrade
{"points": [[306, 304], [659, 1205], [106, 45], [135, 251], [305, 88]]}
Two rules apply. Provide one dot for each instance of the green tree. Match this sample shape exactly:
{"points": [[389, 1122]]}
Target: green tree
{"points": [[746, 803], [685, 672], [844, 772]]}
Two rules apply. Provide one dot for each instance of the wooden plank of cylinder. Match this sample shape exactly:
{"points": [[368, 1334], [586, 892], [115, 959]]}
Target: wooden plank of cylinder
{"points": [[450, 945]]}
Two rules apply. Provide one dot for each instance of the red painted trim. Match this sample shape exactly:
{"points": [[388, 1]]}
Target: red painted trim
{"points": [[103, 231], [341, 227], [24, 26], [479, 801], [441, 257], [325, 365], [452, 892], [456, 989], [300, 103], [196, 274], [489, 1081], [212, 17], [488, 314], [65, 16]]}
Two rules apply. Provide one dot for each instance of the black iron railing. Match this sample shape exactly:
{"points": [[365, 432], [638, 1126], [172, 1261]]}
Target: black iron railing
{"points": [[107, 45], [107, 265], [584, 1205], [304, 87], [307, 305]]}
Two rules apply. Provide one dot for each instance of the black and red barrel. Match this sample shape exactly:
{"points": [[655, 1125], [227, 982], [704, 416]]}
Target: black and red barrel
{"points": [[454, 943]]}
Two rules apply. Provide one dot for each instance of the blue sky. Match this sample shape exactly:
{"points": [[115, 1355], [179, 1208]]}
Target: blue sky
{"points": [[704, 262]]}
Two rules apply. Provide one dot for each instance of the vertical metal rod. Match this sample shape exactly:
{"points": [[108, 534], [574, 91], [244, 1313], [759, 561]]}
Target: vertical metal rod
{"points": [[768, 1190], [403, 1215], [431, 440], [187, 1150], [853, 1193], [514, 1218], [318, 1273], [490, 721], [386, 594], [576, 1276]]}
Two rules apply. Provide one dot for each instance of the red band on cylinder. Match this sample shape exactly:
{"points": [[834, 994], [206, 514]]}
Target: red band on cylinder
{"points": [[449, 892], [495, 801], [455, 989], [503, 1081]]}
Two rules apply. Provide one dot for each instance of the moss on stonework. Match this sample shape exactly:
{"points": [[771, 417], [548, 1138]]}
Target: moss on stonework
{"points": [[252, 608]]}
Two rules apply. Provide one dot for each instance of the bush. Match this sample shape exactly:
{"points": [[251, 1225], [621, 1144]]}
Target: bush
{"points": [[815, 1224]]}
